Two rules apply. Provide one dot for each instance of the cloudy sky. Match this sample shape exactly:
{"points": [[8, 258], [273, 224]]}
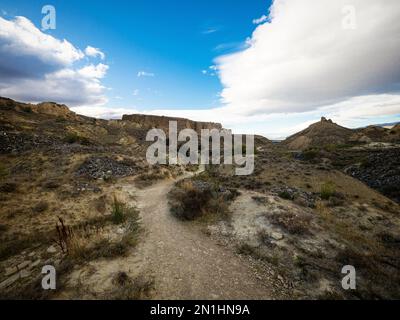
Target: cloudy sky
{"points": [[258, 66]]}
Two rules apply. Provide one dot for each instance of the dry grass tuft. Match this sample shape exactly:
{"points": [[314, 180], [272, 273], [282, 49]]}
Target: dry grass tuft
{"points": [[292, 222]]}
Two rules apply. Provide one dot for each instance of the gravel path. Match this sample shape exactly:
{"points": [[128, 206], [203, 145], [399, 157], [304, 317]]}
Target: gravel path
{"points": [[185, 263]]}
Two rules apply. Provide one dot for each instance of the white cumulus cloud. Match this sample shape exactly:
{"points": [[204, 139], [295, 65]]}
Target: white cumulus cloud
{"points": [[305, 58], [94, 71], [94, 52], [20, 37], [36, 67]]}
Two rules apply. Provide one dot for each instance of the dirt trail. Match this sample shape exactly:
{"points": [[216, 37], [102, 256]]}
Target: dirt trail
{"points": [[185, 263]]}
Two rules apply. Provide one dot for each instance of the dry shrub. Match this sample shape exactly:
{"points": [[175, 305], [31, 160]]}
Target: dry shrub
{"points": [[76, 138], [190, 200], [258, 253], [127, 288], [292, 222], [74, 242]]}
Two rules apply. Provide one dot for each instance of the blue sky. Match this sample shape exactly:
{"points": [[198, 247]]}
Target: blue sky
{"points": [[209, 60], [175, 40]]}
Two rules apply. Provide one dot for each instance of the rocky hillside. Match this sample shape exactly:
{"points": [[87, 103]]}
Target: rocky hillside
{"points": [[49, 108], [48, 124], [378, 134], [319, 134], [327, 133]]}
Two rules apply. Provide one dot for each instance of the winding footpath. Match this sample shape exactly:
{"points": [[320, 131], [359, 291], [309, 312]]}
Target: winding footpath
{"points": [[184, 262]]}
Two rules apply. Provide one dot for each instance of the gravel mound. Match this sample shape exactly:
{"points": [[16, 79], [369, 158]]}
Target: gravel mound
{"points": [[104, 168]]}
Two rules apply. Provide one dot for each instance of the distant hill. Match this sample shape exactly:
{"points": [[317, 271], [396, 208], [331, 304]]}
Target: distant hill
{"points": [[324, 132], [377, 134], [388, 125]]}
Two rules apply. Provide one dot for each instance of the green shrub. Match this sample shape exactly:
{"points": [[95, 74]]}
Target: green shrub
{"points": [[3, 171], [285, 195], [60, 120], [107, 249], [331, 147], [26, 109], [118, 212], [310, 154], [327, 190], [121, 213]]}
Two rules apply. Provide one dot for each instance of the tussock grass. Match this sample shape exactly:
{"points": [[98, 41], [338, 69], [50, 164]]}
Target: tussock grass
{"points": [[118, 212], [328, 189], [121, 212], [88, 242], [3, 171]]}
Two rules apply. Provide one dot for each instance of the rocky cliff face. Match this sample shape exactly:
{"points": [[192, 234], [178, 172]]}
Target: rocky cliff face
{"points": [[161, 122]]}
